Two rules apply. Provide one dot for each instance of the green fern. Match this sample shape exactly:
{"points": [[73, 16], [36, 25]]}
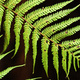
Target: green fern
{"points": [[35, 23], [34, 78], [55, 58], [3, 55], [6, 71]]}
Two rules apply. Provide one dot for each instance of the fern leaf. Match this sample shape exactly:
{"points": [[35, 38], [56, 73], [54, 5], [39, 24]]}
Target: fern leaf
{"points": [[3, 55], [23, 8], [57, 27], [6, 71], [17, 29], [58, 37], [78, 63], [64, 60], [70, 43], [69, 62], [44, 48], [77, 52], [55, 58], [12, 3], [44, 11], [72, 46], [1, 11], [35, 37], [34, 78], [7, 24], [72, 49], [26, 34], [49, 19], [9, 15], [20, 11], [74, 60]]}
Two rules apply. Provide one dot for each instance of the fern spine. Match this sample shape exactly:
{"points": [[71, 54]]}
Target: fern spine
{"points": [[21, 10], [38, 20]]}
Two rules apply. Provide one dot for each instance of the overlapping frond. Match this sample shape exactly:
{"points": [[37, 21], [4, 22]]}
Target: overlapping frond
{"points": [[21, 10], [72, 47], [54, 33], [53, 17], [59, 36], [59, 26], [9, 15], [31, 17]]}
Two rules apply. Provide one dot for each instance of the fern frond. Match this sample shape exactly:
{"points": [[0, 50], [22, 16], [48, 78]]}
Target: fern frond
{"points": [[1, 11], [3, 55], [44, 11], [74, 64], [44, 48], [64, 60], [23, 8], [69, 62], [77, 52], [6, 71], [71, 46], [26, 35], [70, 43], [59, 26], [72, 49], [7, 24], [9, 15], [55, 58], [78, 64], [12, 3], [51, 18], [58, 37], [34, 78], [17, 29], [35, 37], [20, 11]]}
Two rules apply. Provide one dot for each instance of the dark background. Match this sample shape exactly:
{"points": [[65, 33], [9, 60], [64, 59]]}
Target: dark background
{"points": [[26, 72]]}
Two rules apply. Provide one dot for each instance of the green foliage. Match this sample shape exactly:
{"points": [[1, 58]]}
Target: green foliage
{"points": [[55, 58], [36, 23], [34, 78], [3, 55], [6, 71]]}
